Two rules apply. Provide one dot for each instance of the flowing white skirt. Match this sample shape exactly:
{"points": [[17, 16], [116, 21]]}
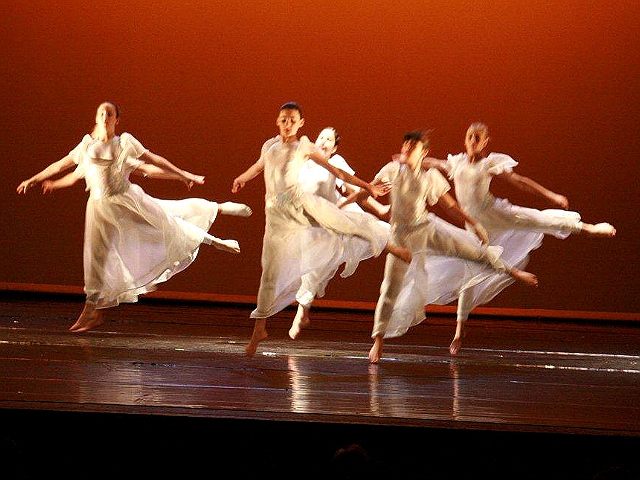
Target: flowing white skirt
{"points": [[446, 261], [133, 242], [306, 240]]}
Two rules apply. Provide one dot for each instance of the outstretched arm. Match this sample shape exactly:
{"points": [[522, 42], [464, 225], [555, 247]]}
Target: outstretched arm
{"points": [[427, 163], [257, 168], [372, 189], [153, 171], [447, 202], [249, 174], [430, 162], [69, 179], [167, 166], [360, 196], [528, 185], [55, 168], [369, 204], [380, 210]]}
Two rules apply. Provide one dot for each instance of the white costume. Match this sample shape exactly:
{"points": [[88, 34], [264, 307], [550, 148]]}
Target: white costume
{"points": [[518, 230], [132, 241], [306, 237], [445, 259], [314, 178]]}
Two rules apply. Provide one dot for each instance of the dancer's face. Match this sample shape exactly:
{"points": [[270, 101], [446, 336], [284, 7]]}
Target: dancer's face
{"points": [[289, 122], [326, 141], [476, 141], [106, 117], [413, 152]]}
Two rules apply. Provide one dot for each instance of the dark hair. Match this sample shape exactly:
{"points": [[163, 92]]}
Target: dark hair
{"points": [[415, 136], [292, 106], [115, 105]]}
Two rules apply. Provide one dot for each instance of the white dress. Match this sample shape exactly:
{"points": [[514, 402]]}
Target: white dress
{"points": [[518, 230], [306, 236], [132, 241], [446, 259], [315, 179]]}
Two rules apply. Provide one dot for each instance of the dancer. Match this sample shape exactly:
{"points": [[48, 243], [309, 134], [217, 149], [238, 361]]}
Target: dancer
{"points": [[445, 259], [519, 230], [314, 178], [304, 238], [132, 241]]}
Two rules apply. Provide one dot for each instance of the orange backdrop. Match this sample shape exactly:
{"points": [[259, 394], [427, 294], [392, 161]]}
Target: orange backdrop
{"points": [[201, 82]]}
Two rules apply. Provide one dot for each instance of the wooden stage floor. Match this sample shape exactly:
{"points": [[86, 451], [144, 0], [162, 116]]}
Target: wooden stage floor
{"points": [[163, 388]]}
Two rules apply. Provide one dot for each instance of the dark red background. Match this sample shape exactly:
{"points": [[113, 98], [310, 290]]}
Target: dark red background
{"points": [[201, 82]]}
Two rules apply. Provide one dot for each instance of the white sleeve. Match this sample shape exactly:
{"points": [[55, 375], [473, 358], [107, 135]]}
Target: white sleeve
{"points": [[131, 146], [338, 161], [389, 172], [77, 154], [453, 161], [78, 151], [268, 143], [497, 163], [438, 186]]}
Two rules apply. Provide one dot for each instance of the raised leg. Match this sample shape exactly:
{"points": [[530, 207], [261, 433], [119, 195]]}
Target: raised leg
{"points": [[599, 229], [235, 209], [230, 246], [525, 277]]}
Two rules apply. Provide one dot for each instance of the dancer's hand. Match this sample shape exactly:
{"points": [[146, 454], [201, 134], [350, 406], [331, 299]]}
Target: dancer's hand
{"points": [[24, 186], [237, 185], [190, 179], [379, 189], [47, 187], [198, 179]]}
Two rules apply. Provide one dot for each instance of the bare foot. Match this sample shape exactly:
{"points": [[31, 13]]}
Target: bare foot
{"points": [[376, 351], [455, 346], [89, 318], [456, 343], [259, 334], [230, 246], [81, 320], [525, 277], [300, 321], [235, 209], [599, 229]]}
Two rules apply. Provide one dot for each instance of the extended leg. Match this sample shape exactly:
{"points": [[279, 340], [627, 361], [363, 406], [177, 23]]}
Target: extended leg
{"points": [[235, 209], [230, 246], [598, 230]]}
